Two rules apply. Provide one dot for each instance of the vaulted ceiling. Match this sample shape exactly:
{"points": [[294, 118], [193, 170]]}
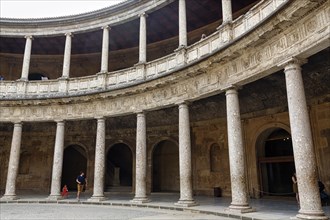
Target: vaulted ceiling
{"points": [[162, 24]]}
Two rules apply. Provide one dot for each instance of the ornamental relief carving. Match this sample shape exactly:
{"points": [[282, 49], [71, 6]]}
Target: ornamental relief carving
{"points": [[216, 77]]}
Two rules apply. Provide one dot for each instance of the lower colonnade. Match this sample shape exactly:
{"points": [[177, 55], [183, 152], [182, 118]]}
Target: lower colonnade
{"points": [[216, 68], [310, 205]]}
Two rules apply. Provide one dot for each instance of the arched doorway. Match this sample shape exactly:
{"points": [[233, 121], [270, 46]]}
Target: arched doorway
{"points": [[276, 163], [74, 161], [119, 168], [165, 172]]}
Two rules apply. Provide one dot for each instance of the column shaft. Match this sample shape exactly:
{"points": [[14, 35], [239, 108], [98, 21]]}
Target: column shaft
{"points": [[26, 58], [67, 56], [304, 156], [236, 153], [227, 15], [105, 50], [10, 192], [143, 38], [99, 169], [55, 191], [186, 192], [141, 160], [182, 24]]}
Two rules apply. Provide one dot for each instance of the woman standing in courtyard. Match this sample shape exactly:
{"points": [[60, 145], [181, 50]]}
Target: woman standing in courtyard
{"points": [[295, 186]]}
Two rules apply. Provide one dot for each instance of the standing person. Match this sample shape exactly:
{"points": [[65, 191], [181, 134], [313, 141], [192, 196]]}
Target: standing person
{"points": [[295, 186], [81, 181]]}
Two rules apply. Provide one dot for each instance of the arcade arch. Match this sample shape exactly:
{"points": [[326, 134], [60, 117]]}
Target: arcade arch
{"points": [[119, 166], [74, 161], [275, 162], [165, 167]]}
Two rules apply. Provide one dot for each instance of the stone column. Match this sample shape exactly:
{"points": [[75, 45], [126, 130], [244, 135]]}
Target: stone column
{"points": [[236, 154], [99, 168], [227, 15], [302, 141], [186, 192], [55, 191], [105, 49], [182, 24], [141, 160], [143, 38], [67, 56], [26, 58], [10, 192]]}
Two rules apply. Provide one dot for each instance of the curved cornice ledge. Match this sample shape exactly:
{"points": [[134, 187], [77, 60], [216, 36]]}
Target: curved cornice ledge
{"points": [[294, 32], [111, 16]]}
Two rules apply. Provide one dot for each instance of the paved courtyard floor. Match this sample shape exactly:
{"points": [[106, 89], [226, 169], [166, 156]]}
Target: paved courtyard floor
{"points": [[118, 206]]}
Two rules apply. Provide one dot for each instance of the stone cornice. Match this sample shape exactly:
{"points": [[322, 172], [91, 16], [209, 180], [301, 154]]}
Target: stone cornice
{"points": [[247, 60], [112, 16]]}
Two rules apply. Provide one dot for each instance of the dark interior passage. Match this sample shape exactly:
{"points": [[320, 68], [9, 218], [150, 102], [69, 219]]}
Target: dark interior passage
{"points": [[165, 166], [119, 166], [74, 161]]}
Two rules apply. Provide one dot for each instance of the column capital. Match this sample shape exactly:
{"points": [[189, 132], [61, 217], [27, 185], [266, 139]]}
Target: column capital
{"points": [[143, 14], [18, 123], [106, 27], [29, 37], [100, 118], [59, 121], [232, 88], [182, 103], [140, 112], [70, 34], [292, 60]]}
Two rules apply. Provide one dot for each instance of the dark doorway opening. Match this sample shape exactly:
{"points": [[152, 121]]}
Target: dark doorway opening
{"points": [[74, 161], [276, 164], [165, 167], [119, 167], [36, 76]]}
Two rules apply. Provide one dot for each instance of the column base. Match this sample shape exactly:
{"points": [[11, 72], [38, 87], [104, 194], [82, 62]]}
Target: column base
{"points": [[96, 199], [54, 197], [311, 215], [240, 209], [186, 203], [9, 197], [140, 200]]}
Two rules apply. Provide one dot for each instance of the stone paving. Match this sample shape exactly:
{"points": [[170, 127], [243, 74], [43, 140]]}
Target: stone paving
{"points": [[118, 206]]}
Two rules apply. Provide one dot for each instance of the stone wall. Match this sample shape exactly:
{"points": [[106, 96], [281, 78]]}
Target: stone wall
{"points": [[210, 159]]}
